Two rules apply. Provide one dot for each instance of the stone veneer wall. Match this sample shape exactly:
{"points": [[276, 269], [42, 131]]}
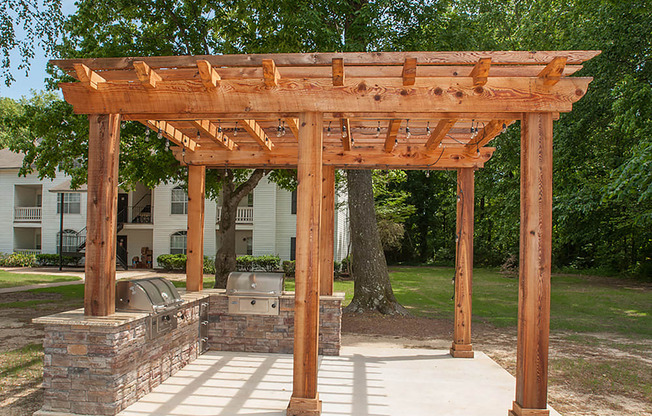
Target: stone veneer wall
{"points": [[99, 366], [271, 334]]}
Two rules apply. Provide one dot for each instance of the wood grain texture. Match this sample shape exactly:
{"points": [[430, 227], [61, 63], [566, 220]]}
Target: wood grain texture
{"points": [[255, 131], [535, 262], [212, 131], [409, 71], [403, 157], [319, 95], [293, 125], [480, 72], [147, 76], [195, 236], [347, 137], [338, 72], [306, 308], [326, 59], [101, 220], [441, 130], [392, 132], [88, 77], [553, 72], [464, 265], [327, 231], [209, 76], [270, 73]]}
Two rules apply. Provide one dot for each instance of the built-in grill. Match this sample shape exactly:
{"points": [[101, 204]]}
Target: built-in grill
{"points": [[154, 295], [254, 293]]}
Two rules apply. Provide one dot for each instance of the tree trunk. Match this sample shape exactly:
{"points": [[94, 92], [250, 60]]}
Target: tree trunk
{"points": [[372, 288], [225, 261]]}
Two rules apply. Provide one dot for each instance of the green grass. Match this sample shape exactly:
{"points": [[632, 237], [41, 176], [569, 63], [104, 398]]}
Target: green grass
{"points": [[17, 363], [577, 304], [70, 294], [8, 279]]}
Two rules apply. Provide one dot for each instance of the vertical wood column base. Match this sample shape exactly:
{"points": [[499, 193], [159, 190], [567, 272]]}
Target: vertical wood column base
{"points": [[461, 350], [517, 410], [300, 406]]}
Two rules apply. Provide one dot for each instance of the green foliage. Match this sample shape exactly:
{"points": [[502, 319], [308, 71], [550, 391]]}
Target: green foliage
{"points": [[172, 262], [9, 279], [17, 260], [268, 263], [209, 265], [289, 267], [53, 260]]}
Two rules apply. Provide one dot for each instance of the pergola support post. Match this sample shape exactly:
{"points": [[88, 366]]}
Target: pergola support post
{"points": [[101, 220], [535, 264], [305, 399], [327, 231], [195, 234], [462, 347]]}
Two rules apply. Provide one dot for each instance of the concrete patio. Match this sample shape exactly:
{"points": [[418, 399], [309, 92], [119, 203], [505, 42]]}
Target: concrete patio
{"points": [[361, 382]]}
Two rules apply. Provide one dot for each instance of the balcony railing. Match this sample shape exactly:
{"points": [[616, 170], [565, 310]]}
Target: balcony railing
{"points": [[27, 250], [243, 215], [27, 214]]}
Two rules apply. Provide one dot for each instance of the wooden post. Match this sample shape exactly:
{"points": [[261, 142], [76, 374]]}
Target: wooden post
{"points": [[101, 221], [534, 276], [305, 399], [195, 236], [462, 347], [327, 231]]}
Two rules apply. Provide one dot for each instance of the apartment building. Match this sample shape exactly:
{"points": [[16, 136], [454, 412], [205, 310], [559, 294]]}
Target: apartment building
{"points": [[147, 218]]}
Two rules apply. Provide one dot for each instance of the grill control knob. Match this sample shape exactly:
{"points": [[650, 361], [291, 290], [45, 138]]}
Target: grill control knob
{"points": [[253, 302], [273, 305]]}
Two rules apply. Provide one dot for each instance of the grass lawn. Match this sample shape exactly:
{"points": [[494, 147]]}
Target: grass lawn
{"points": [[8, 279]]}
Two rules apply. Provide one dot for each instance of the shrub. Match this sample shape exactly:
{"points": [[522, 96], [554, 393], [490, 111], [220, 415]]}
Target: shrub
{"points": [[53, 260], [209, 265], [172, 262], [267, 263], [346, 265], [337, 266], [17, 260], [288, 268]]}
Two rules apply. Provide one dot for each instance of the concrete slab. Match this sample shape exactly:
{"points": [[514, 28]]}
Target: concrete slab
{"points": [[360, 382]]}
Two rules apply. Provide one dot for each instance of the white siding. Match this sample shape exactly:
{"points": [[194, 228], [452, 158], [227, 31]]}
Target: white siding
{"points": [[264, 218], [286, 223], [341, 227]]}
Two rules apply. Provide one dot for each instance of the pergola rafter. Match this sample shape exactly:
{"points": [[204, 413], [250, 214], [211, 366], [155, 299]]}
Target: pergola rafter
{"points": [[342, 110]]}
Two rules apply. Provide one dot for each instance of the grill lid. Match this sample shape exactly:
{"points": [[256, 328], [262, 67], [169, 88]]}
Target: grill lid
{"points": [[254, 283], [151, 294]]}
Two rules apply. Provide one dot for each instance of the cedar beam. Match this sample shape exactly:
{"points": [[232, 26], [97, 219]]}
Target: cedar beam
{"points": [[327, 232], [270, 73], [175, 135], [88, 77], [462, 347], [338, 72], [147, 76], [101, 220], [480, 72], [195, 235], [392, 132], [553, 72], [209, 76], [208, 128], [305, 399], [257, 132], [293, 124], [535, 265], [347, 137], [409, 71], [438, 134], [488, 132]]}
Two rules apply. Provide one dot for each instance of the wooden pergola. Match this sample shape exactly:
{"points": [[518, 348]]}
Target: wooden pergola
{"points": [[318, 112]]}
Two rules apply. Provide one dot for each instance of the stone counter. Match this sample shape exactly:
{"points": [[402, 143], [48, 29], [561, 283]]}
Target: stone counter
{"points": [[101, 365]]}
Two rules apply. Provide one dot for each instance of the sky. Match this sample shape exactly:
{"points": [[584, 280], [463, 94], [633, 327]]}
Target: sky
{"points": [[36, 78]]}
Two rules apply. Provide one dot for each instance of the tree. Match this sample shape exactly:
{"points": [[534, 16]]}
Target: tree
{"points": [[24, 24]]}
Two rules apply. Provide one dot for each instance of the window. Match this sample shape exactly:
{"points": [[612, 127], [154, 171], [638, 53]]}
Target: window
{"points": [[293, 248], [250, 246], [294, 202], [250, 199], [71, 241], [178, 242], [71, 203], [179, 201]]}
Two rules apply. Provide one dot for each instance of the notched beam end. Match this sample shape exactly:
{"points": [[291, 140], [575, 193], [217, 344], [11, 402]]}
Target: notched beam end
{"points": [[88, 77], [209, 76], [147, 76], [270, 73]]}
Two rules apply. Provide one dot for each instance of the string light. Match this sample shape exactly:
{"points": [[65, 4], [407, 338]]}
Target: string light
{"points": [[428, 129], [219, 126], [328, 130], [378, 130], [167, 144], [407, 130], [147, 134], [283, 128], [344, 131], [504, 128], [198, 135], [235, 129], [123, 125], [159, 135], [278, 129]]}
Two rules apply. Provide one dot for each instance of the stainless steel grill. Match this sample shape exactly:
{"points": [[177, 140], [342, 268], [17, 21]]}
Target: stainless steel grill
{"points": [[254, 293], [154, 295]]}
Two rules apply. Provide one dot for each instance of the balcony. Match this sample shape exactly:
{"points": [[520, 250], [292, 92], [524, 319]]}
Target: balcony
{"points": [[244, 215], [27, 214], [28, 250]]}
